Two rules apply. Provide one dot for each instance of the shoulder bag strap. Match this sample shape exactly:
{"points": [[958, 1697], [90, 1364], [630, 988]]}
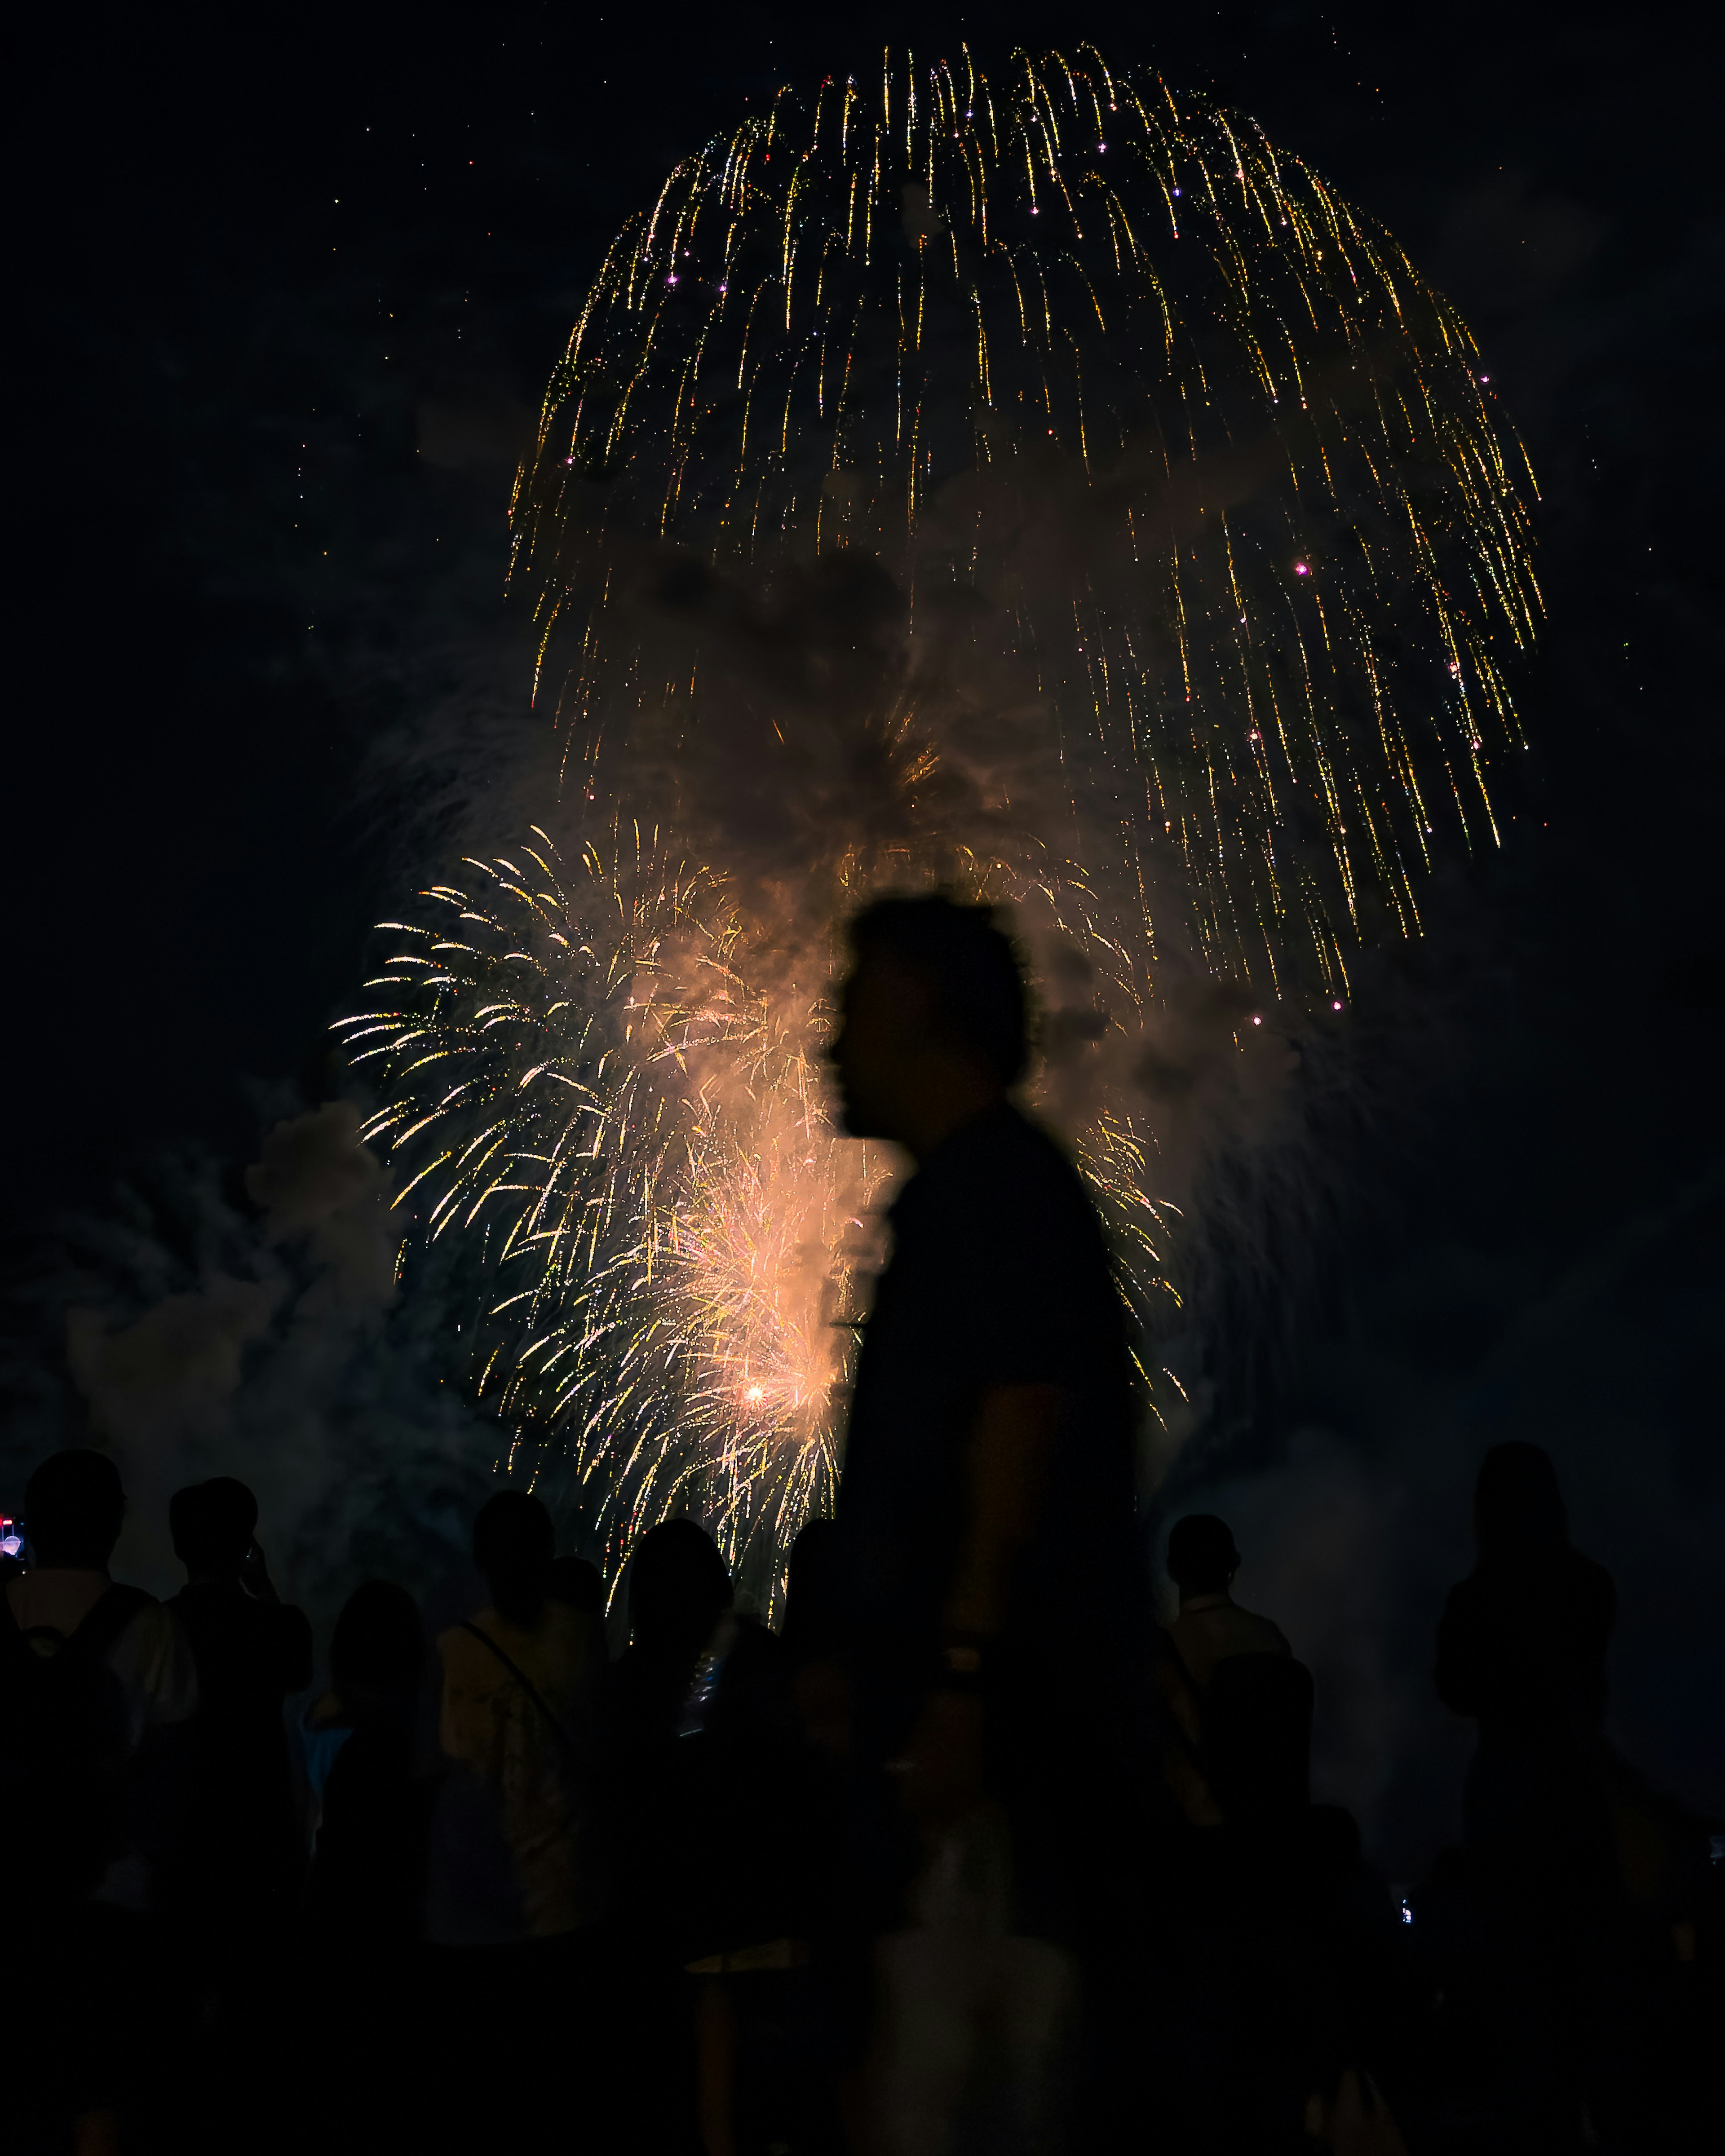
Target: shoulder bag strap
{"points": [[566, 1742], [107, 1619]]}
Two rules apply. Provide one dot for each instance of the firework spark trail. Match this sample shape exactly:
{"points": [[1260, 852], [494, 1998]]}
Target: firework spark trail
{"points": [[1046, 486]]}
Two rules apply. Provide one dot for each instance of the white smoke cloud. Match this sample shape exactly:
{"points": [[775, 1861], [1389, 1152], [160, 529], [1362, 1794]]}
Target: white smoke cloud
{"points": [[280, 1352]]}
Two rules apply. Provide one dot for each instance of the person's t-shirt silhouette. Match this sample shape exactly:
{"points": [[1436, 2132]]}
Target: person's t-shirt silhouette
{"points": [[983, 1522], [998, 1277]]}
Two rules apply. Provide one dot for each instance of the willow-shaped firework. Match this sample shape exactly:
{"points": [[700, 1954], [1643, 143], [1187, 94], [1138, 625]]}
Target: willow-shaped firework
{"points": [[1045, 485]]}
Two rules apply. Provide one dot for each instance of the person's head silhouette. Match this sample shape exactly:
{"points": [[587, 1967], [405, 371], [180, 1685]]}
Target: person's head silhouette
{"points": [[212, 1524], [1201, 1556], [378, 1651], [933, 1027], [678, 1588], [514, 1547]]}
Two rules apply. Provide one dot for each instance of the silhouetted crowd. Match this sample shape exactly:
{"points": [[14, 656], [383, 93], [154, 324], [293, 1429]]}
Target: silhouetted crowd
{"points": [[970, 1853]]}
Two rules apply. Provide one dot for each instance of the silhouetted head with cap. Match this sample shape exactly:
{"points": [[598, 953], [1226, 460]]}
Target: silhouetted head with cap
{"points": [[678, 1590], [1201, 1556], [514, 1547], [74, 1506], [212, 1524], [933, 1025], [1517, 1506]]}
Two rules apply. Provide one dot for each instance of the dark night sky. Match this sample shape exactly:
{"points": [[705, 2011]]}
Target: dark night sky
{"points": [[284, 288]]}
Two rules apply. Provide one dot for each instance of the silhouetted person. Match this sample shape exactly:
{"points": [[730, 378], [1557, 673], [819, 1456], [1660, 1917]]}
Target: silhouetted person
{"points": [[1522, 1646], [241, 1861], [1522, 1649], [516, 1883], [238, 1861], [722, 1834], [679, 1593], [704, 1715], [96, 1682], [985, 1512], [1202, 1562], [368, 1880], [1253, 1700], [367, 1898]]}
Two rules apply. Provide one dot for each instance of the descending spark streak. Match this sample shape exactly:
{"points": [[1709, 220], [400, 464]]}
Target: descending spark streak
{"points": [[1209, 554]]}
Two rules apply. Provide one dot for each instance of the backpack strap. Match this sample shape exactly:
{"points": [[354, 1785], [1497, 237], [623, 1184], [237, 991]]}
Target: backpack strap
{"points": [[102, 1624], [566, 1742]]}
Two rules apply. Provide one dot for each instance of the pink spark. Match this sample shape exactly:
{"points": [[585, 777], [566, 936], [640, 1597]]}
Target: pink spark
{"points": [[1300, 569]]}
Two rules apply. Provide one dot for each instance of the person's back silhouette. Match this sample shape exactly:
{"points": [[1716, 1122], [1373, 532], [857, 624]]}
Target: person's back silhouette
{"points": [[1211, 1627]]}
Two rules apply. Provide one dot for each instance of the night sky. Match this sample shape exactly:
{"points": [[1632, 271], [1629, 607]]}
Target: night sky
{"points": [[285, 291]]}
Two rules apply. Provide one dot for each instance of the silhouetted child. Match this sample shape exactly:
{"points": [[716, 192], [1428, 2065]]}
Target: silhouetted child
{"points": [[714, 1789], [369, 1878], [366, 1904]]}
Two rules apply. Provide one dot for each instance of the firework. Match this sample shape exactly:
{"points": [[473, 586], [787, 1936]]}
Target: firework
{"points": [[1045, 485]]}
